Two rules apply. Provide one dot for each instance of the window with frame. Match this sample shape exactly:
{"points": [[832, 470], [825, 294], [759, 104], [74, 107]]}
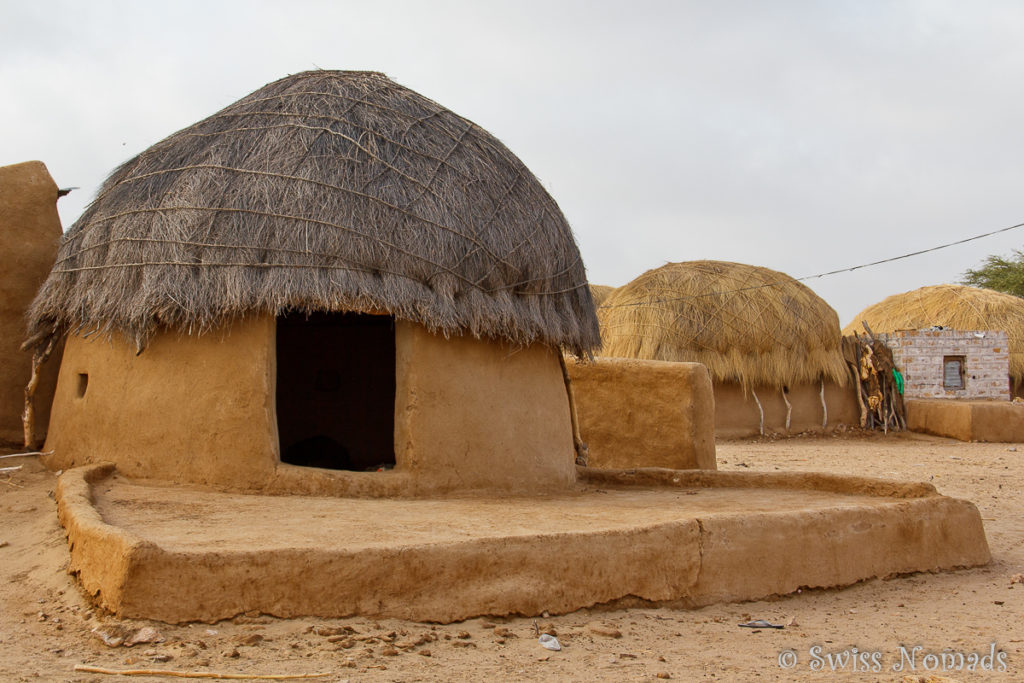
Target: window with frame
{"points": [[953, 372]]}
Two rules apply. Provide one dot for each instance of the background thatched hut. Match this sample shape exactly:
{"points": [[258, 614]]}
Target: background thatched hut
{"points": [[29, 234], [333, 270], [954, 307], [769, 342], [600, 293]]}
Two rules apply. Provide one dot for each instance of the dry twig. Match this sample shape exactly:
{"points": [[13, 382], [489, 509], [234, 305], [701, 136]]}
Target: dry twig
{"points": [[194, 674], [23, 455]]}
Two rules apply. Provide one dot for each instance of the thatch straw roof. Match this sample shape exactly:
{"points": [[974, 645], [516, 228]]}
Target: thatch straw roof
{"points": [[747, 324], [326, 190], [600, 293], [957, 307]]}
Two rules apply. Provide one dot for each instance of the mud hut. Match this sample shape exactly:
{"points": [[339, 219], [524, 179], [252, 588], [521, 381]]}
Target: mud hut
{"points": [[29, 233], [771, 345], [955, 309], [333, 274]]}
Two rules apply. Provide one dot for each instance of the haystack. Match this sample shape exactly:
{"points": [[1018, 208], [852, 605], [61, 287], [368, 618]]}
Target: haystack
{"points": [[331, 241], [757, 330], [955, 307]]}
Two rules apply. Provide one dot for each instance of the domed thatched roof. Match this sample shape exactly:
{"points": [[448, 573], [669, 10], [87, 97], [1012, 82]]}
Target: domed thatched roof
{"points": [[747, 324], [326, 190], [957, 307]]}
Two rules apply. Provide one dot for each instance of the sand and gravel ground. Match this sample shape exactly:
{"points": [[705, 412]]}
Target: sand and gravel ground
{"points": [[46, 624]]}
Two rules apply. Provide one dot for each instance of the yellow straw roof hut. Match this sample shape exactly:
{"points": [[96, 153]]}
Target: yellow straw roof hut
{"points": [[956, 307], [747, 324]]}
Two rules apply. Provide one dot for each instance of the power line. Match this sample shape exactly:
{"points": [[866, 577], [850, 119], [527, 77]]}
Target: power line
{"points": [[819, 275], [914, 253]]}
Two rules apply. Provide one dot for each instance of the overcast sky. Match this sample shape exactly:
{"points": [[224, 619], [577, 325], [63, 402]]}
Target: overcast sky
{"points": [[800, 136]]}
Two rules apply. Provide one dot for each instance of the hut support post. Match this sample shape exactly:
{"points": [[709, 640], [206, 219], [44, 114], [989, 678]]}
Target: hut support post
{"points": [[789, 409], [824, 406], [855, 369], [582, 452], [897, 404], [892, 417], [28, 416], [760, 410]]}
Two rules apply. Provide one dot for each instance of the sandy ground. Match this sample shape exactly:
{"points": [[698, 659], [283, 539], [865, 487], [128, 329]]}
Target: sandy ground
{"points": [[46, 624]]}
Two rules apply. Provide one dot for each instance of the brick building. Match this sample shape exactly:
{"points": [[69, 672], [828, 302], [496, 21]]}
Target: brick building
{"points": [[955, 364]]}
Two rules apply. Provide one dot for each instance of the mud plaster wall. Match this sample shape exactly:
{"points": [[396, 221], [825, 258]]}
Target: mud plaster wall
{"points": [[919, 356], [473, 413], [189, 408], [645, 413], [993, 421], [468, 414], [29, 234], [736, 414]]}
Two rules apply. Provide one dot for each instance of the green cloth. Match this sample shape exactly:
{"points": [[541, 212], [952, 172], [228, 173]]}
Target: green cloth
{"points": [[899, 380]]}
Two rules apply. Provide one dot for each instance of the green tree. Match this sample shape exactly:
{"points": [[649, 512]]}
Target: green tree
{"points": [[1003, 274]]}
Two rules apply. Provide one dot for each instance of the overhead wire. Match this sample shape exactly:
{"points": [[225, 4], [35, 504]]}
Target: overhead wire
{"points": [[818, 275]]}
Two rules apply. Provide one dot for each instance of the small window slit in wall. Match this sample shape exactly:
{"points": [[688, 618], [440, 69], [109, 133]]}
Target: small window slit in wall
{"points": [[82, 385]]}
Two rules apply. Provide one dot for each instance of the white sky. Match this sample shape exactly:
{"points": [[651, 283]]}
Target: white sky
{"points": [[801, 136]]}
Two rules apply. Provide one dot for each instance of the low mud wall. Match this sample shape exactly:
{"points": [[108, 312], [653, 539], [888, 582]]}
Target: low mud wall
{"points": [[645, 413], [733, 536], [994, 421]]}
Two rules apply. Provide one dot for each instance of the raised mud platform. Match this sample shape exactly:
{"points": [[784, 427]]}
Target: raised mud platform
{"points": [[181, 554]]}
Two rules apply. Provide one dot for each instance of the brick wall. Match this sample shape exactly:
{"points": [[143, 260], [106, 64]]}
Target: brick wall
{"points": [[919, 356]]}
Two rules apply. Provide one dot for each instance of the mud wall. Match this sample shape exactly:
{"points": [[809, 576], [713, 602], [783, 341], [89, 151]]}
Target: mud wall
{"points": [[29, 234], [472, 413], [645, 413], [993, 421], [737, 416], [189, 408], [469, 414]]}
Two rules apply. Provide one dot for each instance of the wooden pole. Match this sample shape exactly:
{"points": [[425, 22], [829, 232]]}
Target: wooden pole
{"points": [[28, 416], [759, 409], [824, 406], [582, 452], [194, 674], [789, 409]]}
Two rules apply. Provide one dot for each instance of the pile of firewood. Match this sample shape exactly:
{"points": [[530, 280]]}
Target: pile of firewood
{"points": [[877, 380]]}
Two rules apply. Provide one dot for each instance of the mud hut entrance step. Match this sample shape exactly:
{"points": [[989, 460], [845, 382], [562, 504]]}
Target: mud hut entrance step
{"points": [[336, 390]]}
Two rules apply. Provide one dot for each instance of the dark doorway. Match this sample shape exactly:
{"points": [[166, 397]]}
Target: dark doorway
{"points": [[336, 390]]}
